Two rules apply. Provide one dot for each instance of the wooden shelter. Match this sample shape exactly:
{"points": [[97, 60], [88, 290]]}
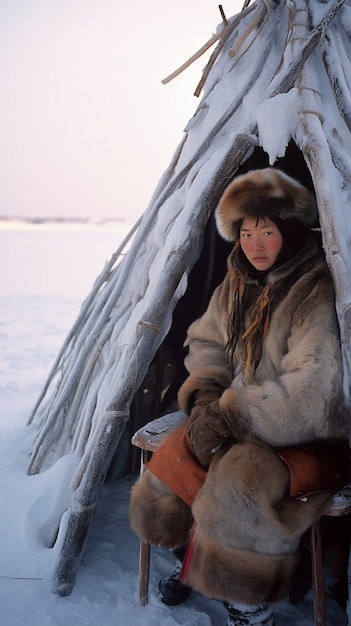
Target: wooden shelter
{"points": [[275, 91]]}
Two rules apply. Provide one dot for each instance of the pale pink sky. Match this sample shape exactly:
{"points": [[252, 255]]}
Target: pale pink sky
{"points": [[86, 127]]}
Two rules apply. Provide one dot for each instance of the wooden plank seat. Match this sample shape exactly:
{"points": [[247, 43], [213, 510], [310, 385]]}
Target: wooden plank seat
{"points": [[149, 437]]}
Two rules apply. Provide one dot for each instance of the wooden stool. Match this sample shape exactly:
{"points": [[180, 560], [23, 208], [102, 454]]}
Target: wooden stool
{"points": [[149, 437]]}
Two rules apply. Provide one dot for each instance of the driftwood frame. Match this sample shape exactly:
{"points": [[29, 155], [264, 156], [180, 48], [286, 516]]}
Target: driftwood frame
{"points": [[88, 399]]}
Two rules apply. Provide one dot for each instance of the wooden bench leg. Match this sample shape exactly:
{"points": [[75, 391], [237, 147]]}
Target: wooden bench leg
{"points": [[144, 553], [318, 575], [144, 572]]}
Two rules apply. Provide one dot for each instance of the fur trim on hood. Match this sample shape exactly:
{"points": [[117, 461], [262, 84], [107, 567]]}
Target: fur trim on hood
{"points": [[266, 192]]}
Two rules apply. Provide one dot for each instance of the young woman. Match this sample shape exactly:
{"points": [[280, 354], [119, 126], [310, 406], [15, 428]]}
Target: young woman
{"points": [[264, 400]]}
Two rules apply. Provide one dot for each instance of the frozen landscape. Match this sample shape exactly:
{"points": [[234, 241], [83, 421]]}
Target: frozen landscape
{"points": [[49, 265], [50, 268]]}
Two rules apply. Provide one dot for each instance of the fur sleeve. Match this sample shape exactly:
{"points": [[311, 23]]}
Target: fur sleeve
{"points": [[206, 361]]}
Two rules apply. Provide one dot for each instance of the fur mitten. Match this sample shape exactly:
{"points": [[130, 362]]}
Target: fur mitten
{"points": [[213, 427]]}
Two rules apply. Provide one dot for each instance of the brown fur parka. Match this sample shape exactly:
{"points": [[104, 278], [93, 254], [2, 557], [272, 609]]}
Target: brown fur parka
{"points": [[296, 395], [247, 527]]}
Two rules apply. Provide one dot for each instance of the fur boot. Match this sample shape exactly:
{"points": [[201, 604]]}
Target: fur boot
{"points": [[171, 590], [245, 615]]}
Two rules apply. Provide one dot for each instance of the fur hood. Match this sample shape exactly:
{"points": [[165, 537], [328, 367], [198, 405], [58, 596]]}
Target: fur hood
{"points": [[262, 192]]}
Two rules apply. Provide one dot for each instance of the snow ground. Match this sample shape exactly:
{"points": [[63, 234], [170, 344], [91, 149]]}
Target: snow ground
{"points": [[34, 320]]}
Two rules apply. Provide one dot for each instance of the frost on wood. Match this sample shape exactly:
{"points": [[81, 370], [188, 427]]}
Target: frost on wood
{"points": [[279, 75]]}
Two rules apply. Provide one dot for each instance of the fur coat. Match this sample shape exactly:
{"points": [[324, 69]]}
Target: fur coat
{"points": [[296, 394], [247, 525]]}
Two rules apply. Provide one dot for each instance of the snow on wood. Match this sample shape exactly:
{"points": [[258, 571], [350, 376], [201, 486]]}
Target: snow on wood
{"points": [[280, 73]]}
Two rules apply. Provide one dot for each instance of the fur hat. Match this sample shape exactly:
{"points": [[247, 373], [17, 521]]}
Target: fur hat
{"points": [[266, 192]]}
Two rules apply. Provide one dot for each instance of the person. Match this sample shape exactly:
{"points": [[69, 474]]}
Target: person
{"points": [[265, 438]]}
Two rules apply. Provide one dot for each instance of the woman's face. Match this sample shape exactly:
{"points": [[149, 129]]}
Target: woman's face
{"points": [[260, 241]]}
